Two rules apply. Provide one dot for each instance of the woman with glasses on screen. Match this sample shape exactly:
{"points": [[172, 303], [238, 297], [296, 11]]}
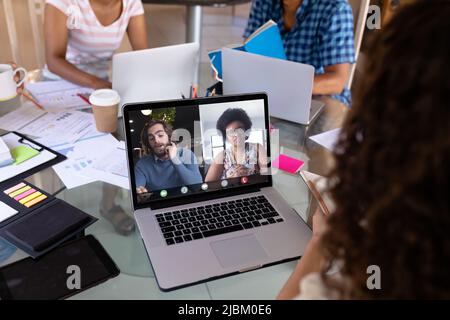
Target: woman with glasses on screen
{"points": [[240, 158]]}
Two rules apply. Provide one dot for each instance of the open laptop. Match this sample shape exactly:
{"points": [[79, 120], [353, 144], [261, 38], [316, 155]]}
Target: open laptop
{"points": [[155, 74], [196, 231], [288, 84]]}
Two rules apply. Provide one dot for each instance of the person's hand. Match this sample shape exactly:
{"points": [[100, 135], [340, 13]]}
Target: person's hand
{"points": [[171, 151], [17, 78], [239, 171], [141, 190], [99, 83]]}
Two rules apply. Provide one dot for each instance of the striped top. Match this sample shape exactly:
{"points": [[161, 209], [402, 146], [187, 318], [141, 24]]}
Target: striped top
{"points": [[91, 45]]}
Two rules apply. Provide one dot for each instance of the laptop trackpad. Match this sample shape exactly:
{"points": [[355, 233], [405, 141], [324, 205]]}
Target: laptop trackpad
{"points": [[239, 251]]}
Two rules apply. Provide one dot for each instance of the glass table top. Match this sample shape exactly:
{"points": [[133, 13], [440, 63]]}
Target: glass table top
{"points": [[136, 280]]}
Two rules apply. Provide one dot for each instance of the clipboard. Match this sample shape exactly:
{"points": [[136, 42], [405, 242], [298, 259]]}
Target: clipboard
{"points": [[10, 173]]}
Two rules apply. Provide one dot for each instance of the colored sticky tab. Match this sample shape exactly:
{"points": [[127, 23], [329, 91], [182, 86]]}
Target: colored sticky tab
{"points": [[16, 187], [19, 191], [30, 197], [23, 153], [287, 163], [25, 194], [31, 203]]}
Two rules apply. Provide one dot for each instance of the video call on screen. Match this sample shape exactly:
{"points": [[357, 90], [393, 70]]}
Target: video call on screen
{"points": [[180, 151]]}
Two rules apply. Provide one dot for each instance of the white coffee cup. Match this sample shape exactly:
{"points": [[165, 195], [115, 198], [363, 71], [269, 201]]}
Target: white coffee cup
{"points": [[105, 105], [8, 87]]}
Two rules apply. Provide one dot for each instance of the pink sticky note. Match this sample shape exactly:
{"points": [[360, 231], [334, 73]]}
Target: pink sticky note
{"points": [[287, 164], [25, 194]]}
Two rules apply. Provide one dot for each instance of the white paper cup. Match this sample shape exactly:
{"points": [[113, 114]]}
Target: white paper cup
{"points": [[105, 105]]}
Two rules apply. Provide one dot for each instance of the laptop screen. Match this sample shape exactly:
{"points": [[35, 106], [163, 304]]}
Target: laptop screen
{"points": [[196, 148]]}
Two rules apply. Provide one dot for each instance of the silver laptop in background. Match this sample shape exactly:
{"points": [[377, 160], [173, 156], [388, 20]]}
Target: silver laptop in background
{"points": [[288, 84], [203, 231], [155, 74]]}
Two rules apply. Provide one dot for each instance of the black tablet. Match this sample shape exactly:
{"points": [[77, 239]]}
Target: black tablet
{"points": [[63, 272]]}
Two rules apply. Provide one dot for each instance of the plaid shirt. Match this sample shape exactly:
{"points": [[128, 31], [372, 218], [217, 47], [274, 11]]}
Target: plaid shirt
{"points": [[322, 36]]}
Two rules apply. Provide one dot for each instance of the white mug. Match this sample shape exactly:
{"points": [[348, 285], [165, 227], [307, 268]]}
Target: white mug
{"points": [[8, 87]]}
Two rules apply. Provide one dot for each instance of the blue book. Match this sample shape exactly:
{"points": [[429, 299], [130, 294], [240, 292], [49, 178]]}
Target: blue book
{"points": [[265, 41]]}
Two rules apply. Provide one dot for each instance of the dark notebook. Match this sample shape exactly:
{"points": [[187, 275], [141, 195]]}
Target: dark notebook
{"points": [[47, 225]]}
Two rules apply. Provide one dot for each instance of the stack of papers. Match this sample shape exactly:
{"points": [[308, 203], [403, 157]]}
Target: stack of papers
{"points": [[92, 155], [57, 95], [96, 159], [111, 167], [61, 127]]}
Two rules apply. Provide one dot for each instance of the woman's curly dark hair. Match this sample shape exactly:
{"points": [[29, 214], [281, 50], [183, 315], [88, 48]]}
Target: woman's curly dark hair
{"points": [[231, 115], [391, 180]]}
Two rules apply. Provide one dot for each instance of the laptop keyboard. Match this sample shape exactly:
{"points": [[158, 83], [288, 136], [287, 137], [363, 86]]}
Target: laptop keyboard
{"points": [[211, 220]]}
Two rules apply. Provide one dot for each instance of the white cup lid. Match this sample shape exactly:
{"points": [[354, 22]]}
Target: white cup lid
{"points": [[104, 98]]}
